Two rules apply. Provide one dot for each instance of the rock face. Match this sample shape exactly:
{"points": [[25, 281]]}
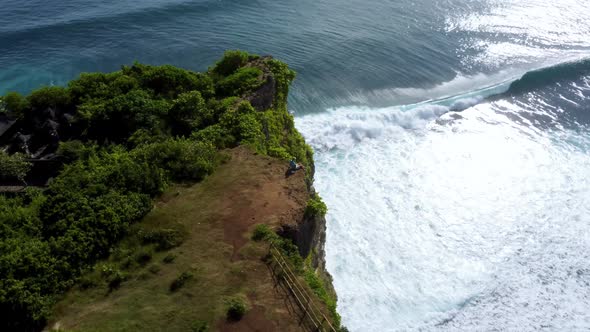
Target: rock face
{"points": [[309, 235], [263, 98], [37, 136]]}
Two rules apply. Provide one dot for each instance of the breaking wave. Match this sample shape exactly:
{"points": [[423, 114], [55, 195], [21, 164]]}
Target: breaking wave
{"points": [[468, 212]]}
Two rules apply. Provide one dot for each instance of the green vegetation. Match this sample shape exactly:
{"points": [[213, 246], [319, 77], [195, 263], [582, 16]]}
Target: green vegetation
{"points": [[15, 103], [200, 326], [164, 239], [135, 132], [169, 258], [13, 166], [262, 232], [181, 280], [318, 286], [316, 207], [236, 308], [244, 80], [232, 61]]}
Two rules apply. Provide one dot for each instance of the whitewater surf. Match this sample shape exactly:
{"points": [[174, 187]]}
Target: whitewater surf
{"points": [[465, 213]]}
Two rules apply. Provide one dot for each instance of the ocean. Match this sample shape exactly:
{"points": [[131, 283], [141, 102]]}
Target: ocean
{"points": [[451, 137]]}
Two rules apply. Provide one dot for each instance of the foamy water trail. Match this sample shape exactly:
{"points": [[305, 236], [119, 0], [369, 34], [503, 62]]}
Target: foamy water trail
{"points": [[472, 220]]}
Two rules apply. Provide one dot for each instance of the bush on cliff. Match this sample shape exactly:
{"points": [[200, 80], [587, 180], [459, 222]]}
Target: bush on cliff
{"points": [[231, 61], [169, 81], [316, 207], [49, 97], [181, 159], [236, 308], [13, 166], [244, 80], [188, 113], [14, 103]]}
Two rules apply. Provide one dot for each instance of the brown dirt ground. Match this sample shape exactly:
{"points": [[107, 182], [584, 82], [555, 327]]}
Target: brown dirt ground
{"points": [[260, 193], [219, 214]]}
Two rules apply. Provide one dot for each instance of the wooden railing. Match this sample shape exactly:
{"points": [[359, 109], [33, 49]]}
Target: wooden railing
{"points": [[280, 267]]}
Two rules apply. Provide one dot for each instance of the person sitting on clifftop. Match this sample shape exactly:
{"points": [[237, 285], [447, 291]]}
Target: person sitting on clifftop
{"points": [[294, 166]]}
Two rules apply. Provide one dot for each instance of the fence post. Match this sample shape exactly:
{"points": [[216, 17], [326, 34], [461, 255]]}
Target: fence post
{"points": [[294, 286], [321, 327]]}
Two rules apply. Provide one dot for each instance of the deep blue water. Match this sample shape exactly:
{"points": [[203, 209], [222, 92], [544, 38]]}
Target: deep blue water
{"points": [[452, 137], [340, 49]]}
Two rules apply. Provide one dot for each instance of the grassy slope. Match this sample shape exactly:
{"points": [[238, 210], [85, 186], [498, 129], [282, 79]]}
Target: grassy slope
{"points": [[218, 215]]}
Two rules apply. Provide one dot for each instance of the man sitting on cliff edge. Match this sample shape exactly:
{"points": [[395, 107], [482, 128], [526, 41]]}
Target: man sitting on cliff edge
{"points": [[294, 166]]}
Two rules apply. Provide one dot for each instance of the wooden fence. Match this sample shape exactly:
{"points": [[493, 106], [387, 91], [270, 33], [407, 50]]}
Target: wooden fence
{"points": [[280, 267]]}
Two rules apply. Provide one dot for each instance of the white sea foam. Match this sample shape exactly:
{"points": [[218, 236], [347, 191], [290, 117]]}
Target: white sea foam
{"points": [[477, 220], [489, 84], [453, 221]]}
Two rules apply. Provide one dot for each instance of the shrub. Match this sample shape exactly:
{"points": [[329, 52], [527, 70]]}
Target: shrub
{"points": [[243, 125], [243, 80], [236, 308], [215, 135], [318, 287], [291, 252], [200, 326], [169, 258], [145, 136], [15, 104], [316, 207], [116, 279], [181, 280], [231, 61], [127, 263], [182, 159], [189, 113], [279, 152], [89, 208], [283, 77], [155, 268], [143, 256], [106, 270], [90, 86], [164, 239], [49, 96], [87, 282], [73, 150], [118, 118], [169, 81], [262, 232], [14, 166]]}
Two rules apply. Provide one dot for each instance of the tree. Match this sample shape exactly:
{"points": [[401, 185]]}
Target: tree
{"points": [[14, 166], [189, 113]]}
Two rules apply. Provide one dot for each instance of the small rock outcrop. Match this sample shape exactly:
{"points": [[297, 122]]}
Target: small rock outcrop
{"points": [[37, 136]]}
